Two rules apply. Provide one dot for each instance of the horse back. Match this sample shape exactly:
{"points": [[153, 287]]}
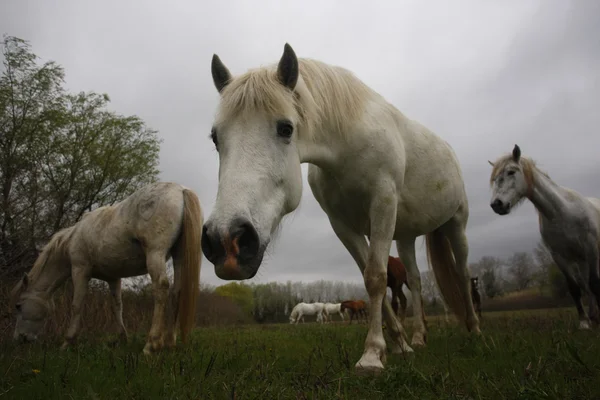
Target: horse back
{"points": [[115, 239]]}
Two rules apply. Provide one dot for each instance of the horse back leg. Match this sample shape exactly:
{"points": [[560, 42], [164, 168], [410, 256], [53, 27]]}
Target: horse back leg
{"points": [[454, 232], [172, 308], [156, 265], [114, 287], [403, 305], [406, 250], [80, 276]]}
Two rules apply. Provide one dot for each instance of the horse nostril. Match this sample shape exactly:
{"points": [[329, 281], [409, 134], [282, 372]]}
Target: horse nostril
{"points": [[248, 240], [211, 245], [496, 204]]}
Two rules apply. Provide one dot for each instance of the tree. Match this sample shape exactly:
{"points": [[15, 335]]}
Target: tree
{"points": [[239, 293], [487, 267], [522, 269], [61, 154]]}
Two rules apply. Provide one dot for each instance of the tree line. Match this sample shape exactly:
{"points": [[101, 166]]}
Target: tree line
{"points": [[61, 154]]}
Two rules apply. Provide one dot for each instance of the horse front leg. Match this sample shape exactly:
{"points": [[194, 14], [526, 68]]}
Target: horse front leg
{"points": [[117, 308], [383, 223], [156, 265], [358, 248], [570, 271], [81, 277]]}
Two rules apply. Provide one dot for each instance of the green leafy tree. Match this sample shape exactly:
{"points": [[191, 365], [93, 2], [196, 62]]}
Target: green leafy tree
{"points": [[239, 293], [61, 154]]}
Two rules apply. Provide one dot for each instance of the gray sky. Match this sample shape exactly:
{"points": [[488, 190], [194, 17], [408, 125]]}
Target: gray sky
{"points": [[482, 75]]}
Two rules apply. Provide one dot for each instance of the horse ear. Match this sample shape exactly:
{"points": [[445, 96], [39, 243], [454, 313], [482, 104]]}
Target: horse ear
{"points": [[287, 70], [220, 73], [516, 153], [491, 163]]}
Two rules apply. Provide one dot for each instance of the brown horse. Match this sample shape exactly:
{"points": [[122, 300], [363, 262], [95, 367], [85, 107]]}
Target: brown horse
{"points": [[355, 307], [396, 277], [475, 296]]}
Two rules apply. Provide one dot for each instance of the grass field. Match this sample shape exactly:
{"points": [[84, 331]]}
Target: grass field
{"points": [[523, 355]]}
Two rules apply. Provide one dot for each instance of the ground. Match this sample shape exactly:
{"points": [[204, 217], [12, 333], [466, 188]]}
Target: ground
{"points": [[523, 355]]}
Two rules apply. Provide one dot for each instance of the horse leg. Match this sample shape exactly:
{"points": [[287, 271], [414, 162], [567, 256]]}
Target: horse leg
{"points": [[569, 269], [382, 215], [81, 277], [406, 251], [454, 230], [395, 302], [117, 308], [156, 265], [403, 305], [172, 309], [594, 283], [358, 248]]}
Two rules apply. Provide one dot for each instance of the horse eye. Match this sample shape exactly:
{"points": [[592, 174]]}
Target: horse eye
{"points": [[213, 137], [285, 129], [18, 307], [511, 172]]}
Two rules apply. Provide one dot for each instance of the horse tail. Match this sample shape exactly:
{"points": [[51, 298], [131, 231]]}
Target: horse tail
{"points": [[189, 242], [441, 260]]}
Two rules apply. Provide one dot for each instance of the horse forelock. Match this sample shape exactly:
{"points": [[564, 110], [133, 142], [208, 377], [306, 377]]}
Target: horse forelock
{"points": [[323, 95]]}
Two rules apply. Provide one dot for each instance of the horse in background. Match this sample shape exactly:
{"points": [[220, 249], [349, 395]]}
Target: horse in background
{"points": [[475, 296], [302, 309], [396, 277], [569, 224], [332, 308], [355, 308], [133, 237]]}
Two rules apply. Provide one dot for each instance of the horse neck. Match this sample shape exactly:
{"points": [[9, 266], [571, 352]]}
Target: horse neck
{"points": [[55, 272], [546, 195]]}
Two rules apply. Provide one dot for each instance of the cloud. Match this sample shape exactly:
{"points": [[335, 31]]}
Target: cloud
{"points": [[482, 75]]}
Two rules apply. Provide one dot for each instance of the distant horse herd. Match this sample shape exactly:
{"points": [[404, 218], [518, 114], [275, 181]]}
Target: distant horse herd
{"points": [[379, 176]]}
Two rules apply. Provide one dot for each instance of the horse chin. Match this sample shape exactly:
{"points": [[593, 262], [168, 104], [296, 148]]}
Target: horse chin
{"points": [[239, 270]]}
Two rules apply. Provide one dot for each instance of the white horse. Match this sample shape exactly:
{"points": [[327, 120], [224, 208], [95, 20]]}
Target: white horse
{"points": [[569, 224], [133, 237], [332, 308], [302, 309], [374, 172]]}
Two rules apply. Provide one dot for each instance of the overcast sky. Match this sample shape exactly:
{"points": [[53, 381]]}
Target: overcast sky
{"points": [[482, 75]]}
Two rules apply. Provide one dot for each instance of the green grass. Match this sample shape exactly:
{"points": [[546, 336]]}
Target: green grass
{"points": [[523, 355]]}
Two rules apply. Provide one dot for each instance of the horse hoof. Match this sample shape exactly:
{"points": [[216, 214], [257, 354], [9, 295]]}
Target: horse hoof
{"points": [[374, 367], [418, 340], [584, 325], [401, 349], [370, 363]]}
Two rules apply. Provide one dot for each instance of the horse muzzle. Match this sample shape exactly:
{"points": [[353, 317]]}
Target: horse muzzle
{"points": [[237, 254]]}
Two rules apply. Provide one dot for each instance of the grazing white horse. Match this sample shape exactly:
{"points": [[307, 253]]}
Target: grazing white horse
{"points": [[569, 224], [332, 308], [302, 309], [133, 237], [374, 172]]}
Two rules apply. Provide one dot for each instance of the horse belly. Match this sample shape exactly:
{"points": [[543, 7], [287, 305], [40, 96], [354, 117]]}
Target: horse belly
{"points": [[121, 262]]}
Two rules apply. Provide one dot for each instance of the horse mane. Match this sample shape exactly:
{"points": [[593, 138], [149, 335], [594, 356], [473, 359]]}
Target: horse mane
{"points": [[324, 93], [57, 245], [529, 167]]}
